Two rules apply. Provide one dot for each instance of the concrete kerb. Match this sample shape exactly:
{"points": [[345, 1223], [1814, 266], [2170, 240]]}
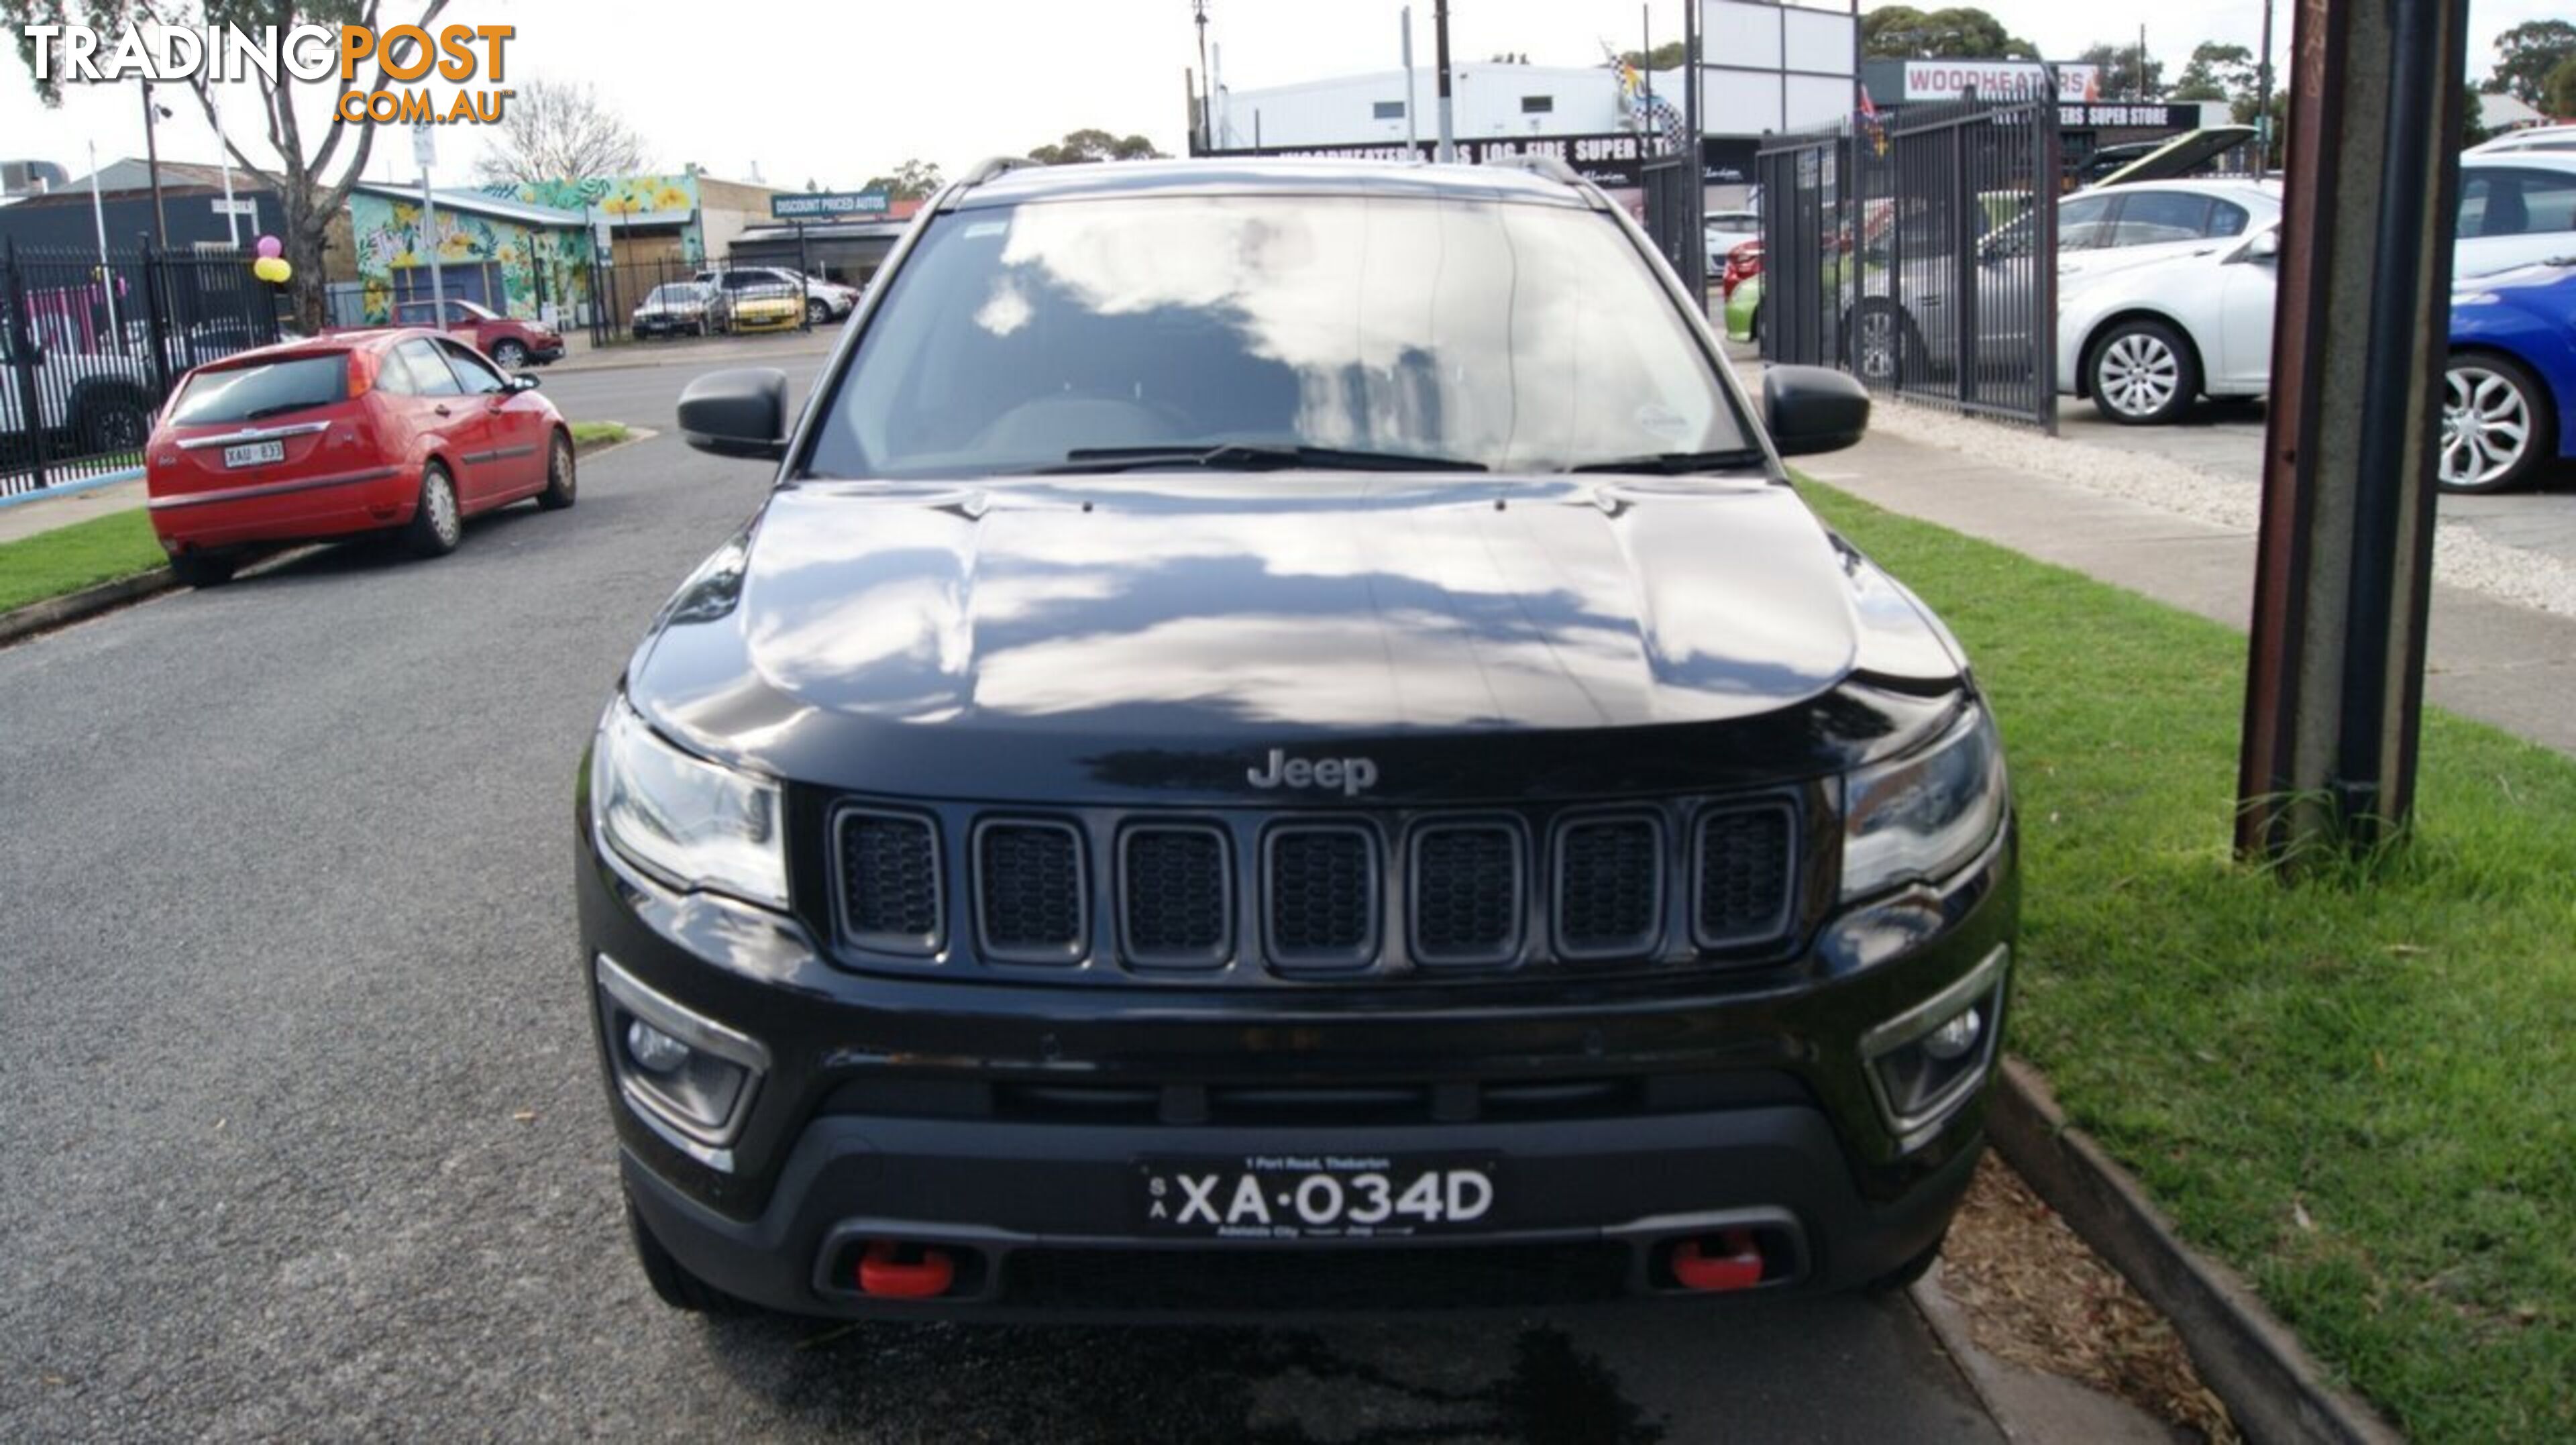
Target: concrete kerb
{"points": [[21, 623], [2275, 1389], [74, 489]]}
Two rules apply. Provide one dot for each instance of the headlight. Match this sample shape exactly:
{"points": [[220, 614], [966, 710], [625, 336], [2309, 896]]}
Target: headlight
{"points": [[1923, 816], [696, 824]]}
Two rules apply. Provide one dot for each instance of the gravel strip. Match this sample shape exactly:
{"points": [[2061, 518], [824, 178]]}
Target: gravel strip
{"points": [[2461, 557]]}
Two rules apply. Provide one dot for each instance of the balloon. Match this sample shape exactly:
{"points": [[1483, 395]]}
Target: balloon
{"points": [[270, 247], [272, 269]]}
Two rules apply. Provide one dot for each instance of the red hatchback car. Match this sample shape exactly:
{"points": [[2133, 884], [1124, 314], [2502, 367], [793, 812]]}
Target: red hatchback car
{"points": [[403, 431]]}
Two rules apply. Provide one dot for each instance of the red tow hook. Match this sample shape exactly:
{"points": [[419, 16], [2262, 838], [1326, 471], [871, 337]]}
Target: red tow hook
{"points": [[1739, 1267], [905, 1271]]}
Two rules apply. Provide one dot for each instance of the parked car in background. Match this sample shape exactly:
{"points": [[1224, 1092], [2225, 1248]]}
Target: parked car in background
{"points": [[2543, 138], [683, 308], [2511, 383], [769, 308], [2516, 208], [406, 431], [819, 301], [99, 403], [1726, 230], [507, 340]]}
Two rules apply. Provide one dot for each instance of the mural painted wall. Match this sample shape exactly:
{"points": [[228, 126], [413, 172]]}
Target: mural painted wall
{"points": [[627, 204], [533, 264]]}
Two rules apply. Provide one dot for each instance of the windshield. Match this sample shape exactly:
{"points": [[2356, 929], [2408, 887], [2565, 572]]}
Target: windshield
{"points": [[248, 393], [672, 295], [1515, 336]]}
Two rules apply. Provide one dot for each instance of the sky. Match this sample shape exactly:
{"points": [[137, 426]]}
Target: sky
{"points": [[836, 93]]}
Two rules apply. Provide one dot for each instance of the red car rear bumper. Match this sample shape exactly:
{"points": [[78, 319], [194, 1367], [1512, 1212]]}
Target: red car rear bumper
{"points": [[296, 509]]}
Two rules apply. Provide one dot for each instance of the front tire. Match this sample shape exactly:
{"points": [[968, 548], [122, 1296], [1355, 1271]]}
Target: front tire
{"points": [[1883, 345], [818, 312], [437, 524], [671, 1280], [2142, 373], [2496, 424], [509, 354], [560, 479]]}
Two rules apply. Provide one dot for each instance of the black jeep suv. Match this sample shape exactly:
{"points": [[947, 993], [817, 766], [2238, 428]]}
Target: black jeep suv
{"points": [[1284, 742]]}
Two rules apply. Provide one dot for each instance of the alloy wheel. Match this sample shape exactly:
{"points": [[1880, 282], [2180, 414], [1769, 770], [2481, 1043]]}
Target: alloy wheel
{"points": [[1876, 346], [511, 355], [443, 518], [2138, 374], [2486, 426]]}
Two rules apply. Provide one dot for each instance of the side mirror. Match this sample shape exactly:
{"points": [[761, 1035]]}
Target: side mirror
{"points": [[1810, 409], [2264, 247], [740, 413], [523, 382]]}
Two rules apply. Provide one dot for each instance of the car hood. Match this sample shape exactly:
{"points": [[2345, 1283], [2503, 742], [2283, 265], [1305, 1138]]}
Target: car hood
{"points": [[1163, 633]]}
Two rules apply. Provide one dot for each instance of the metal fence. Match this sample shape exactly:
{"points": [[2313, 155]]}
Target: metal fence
{"points": [[91, 345], [1675, 195], [1920, 254]]}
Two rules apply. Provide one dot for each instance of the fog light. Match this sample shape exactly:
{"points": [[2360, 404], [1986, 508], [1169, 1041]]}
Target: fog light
{"points": [[1926, 1063], [654, 1050], [1954, 1039]]}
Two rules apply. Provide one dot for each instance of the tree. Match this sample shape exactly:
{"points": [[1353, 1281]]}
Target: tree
{"points": [[1901, 32], [2530, 52], [2558, 92], [2119, 66], [1081, 146], [914, 180], [2218, 72], [555, 130], [1667, 56], [311, 189]]}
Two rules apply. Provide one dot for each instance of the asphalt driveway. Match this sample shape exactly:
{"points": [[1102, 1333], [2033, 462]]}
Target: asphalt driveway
{"points": [[306, 1139]]}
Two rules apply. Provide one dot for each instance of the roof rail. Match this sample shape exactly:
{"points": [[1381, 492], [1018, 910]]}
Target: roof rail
{"points": [[1549, 166], [994, 166]]}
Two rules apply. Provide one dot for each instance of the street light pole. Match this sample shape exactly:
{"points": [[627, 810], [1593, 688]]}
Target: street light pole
{"points": [[1207, 89], [1440, 43], [152, 168], [1412, 127]]}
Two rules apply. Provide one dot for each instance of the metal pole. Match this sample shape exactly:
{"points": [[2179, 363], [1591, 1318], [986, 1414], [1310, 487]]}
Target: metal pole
{"points": [[1440, 47], [1207, 100], [106, 274], [1646, 68], [152, 167], [1695, 153], [2142, 61], [2263, 99], [2343, 561], [429, 228], [1412, 126], [232, 222]]}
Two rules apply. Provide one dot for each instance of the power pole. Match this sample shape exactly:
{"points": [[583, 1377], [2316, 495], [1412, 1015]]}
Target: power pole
{"points": [[2142, 62], [1695, 153], [1440, 43], [2344, 560], [1646, 72], [152, 168], [2263, 99], [1207, 136], [1412, 130]]}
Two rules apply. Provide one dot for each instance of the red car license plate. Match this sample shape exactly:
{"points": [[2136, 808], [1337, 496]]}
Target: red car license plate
{"points": [[254, 454], [1315, 1196]]}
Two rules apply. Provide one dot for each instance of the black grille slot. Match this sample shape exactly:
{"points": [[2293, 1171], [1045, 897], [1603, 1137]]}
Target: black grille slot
{"points": [[889, 865], [1609, 887], [1173, 888], [1466, 881], [1323, 895], [1317, 1279], [1028, 889], [1746, 866]]}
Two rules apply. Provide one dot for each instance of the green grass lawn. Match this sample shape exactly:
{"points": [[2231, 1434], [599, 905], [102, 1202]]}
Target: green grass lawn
{"points": [[2360, 1094], [67, 559], [589, 435]]}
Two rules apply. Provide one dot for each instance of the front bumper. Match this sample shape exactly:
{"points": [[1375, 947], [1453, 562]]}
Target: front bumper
{"points": [[1004, 1124]]}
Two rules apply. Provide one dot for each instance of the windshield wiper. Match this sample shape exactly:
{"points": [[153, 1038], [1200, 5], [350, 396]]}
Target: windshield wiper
{"points": [[260, 413], [1252, 457], [1673, 464]]}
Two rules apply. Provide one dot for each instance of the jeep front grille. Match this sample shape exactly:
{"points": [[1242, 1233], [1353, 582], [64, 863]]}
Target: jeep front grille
{"points": [[1029, 892], [889, 876], [1173, 885], [1322, 885], [1235, 894]]}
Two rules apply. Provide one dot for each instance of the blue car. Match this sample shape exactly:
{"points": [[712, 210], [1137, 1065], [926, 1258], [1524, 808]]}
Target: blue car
{"points": [[2512, 377]]}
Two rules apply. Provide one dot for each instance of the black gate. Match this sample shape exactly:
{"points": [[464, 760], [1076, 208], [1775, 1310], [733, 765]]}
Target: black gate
{"points": [[1919, 253], [91, 345], [1675, 201]]}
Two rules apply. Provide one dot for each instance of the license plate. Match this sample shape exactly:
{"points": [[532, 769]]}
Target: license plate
{"points": [[1315, 1196], [254, 454]]}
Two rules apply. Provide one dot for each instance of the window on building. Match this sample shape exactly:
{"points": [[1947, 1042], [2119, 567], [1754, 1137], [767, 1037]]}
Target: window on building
{"points": [[1537, 104], [1387, 110]]}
